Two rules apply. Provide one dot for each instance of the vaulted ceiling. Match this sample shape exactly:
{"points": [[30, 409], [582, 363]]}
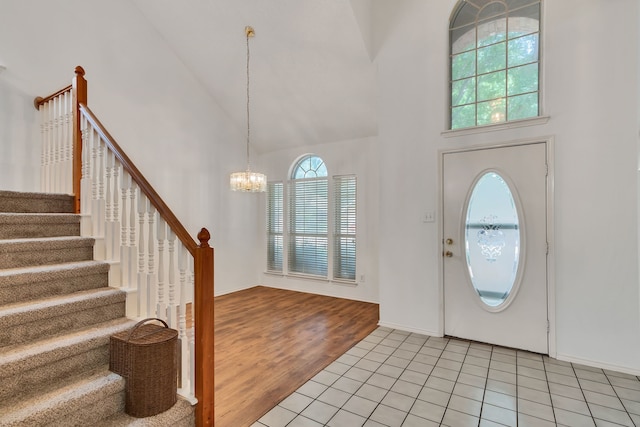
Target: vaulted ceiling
{"points": [[312, 73], [312, 79]]}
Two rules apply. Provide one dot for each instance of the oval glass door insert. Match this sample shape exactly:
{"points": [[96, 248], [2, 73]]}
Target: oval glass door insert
{"points": [[492, 239]]}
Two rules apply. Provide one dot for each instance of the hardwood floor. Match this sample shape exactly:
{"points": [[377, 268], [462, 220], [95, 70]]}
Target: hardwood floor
{"points": [[268, 342]]}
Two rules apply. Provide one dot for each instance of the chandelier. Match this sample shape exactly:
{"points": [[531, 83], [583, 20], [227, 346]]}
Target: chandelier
{"points": [[248, 181]]}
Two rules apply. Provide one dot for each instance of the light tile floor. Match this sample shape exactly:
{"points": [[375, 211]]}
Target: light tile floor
{"points": [[395, 378]]}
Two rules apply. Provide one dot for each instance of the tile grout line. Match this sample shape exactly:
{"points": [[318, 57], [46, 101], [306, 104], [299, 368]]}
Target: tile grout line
{"points": [[373, 372], [573, 368], [397, 379], [429, 376], [617, 395], [546, 379]]}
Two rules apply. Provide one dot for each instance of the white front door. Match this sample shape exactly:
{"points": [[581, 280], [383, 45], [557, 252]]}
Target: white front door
{"points": [[495, 246]]}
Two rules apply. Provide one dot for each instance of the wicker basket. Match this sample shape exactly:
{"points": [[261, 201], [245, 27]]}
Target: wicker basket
{"points": [[146, 356]]}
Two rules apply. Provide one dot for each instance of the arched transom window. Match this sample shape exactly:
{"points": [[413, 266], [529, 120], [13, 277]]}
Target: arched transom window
{"points": [[494, 61]]}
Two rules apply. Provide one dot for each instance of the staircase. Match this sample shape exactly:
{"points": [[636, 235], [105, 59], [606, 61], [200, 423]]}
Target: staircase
{"points": [[56, 316]]}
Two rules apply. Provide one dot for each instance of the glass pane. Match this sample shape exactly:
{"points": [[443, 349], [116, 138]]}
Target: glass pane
{"points": [[463, 117], [516, 5], [492, 86], [463, 65], [465, 15], [523, 50], [274, 254], [492, 11], [523, 106], [523, 79], [463, 39], [525, 20], [310, 167], [463, 92], [345, 262], [491, 112], [492, 239], [308, 206], [308, 255], [492, 58], [492, 32]]}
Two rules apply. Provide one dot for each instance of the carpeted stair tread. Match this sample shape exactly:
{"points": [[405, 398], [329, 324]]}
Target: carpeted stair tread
{"points": [[37, 367], [179, 415], [16, 201], [23, 321], [22, 357], [31, 283], [44, 251], [26, 225], [51, 242], [84, 401]]}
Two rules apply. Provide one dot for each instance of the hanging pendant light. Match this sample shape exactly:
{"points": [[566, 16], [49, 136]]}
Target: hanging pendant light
{"points": [[248, 181]]}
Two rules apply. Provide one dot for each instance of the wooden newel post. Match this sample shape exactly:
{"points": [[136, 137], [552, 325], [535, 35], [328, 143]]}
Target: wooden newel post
{"points": [[79, 96], [203, 316]]}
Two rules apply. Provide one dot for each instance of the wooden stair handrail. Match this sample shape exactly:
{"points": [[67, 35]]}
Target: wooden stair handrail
{"points": [[141, 181], [39, 101]]}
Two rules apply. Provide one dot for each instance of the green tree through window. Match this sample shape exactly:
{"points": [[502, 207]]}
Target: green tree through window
{"points": [[494, 68]]}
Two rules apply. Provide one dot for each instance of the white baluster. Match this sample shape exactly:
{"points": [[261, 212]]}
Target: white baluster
{"points": [[133, 250], [161, 235], [171, 310], [125, 183], [60, 145], [43, 139], [68, 156], [85, 181], [108, 231], [50, 139], [56, 144], [151, 267], [143, 291], [64, 143], [183, 253], [93, 170], [116, 212], [112, 227], [191, 330], [98, 208]]}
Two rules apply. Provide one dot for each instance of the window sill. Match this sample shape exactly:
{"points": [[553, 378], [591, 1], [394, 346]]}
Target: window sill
{"points": [[312, 278], [534, 121]]}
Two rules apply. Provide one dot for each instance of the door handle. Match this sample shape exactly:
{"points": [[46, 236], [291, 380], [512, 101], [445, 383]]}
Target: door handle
{"points": [[448, 254], [449, 241]]}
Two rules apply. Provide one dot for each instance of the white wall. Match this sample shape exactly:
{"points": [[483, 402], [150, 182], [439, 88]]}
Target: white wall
{"points": [[19, 144], [176, 134], [359, 157], [590, 87], [162, 116]]}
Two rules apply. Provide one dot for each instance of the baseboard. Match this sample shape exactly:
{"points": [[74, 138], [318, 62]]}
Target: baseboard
{"points": [[596, 364], [409, 329]]}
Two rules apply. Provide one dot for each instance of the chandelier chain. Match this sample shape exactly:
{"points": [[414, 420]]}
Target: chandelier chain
{"points": [[248, 99]]}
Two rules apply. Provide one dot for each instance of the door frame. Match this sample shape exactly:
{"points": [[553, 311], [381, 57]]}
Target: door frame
{"points": [[551, 287]]}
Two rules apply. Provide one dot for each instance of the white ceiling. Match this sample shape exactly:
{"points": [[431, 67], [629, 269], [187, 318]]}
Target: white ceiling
{"points": [[311, 76]]}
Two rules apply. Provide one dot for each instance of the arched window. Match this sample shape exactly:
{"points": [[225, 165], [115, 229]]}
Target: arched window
{"points": [[494, 61], [313, 247], [308, 217]]}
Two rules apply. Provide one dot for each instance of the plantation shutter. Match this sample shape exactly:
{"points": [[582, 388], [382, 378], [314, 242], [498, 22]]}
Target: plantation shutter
{"points": [[275, 217], [344, 242], [308, 235]]}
